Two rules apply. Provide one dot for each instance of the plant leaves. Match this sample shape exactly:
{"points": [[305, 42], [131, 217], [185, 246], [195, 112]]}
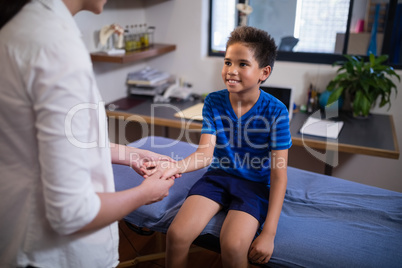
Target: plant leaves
{"points": [[335, 95], [366, 80]]}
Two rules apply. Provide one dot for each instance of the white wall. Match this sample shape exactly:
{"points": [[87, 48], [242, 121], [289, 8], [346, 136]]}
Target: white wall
{"points": [[185, 23], [111, 76]]}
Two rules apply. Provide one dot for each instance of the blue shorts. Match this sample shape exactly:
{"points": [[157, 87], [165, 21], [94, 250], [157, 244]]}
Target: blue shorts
{"points": [[234, 193]]}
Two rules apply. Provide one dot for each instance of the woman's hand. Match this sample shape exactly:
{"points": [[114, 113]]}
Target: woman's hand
{"points": [[156, 188], [134, 157]]}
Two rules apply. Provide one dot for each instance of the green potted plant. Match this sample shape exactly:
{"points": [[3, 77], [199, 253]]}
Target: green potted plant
{"points": [[364, 82]]}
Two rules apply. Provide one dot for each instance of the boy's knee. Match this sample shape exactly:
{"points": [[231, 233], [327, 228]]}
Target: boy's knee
{"points": [[177, 236], [172, 233], [233, 248]]}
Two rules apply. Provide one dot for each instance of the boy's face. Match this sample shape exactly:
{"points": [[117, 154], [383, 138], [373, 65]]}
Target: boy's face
{"points": [[240, 71]]}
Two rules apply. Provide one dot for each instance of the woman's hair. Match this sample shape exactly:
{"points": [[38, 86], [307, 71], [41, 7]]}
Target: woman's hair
{"points": [[262, 44], [9, 8]]}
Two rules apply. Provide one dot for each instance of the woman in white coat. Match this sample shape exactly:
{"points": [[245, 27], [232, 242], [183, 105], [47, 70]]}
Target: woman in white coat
{"points": [[58, 204]]}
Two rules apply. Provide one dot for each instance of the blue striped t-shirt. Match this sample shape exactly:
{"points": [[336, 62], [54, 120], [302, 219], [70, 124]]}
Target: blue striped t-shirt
{"points": [[243, 145]]}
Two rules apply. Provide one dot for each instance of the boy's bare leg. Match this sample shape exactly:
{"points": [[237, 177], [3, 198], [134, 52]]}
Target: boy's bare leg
{"points": [[189, 222], [237, 234]]}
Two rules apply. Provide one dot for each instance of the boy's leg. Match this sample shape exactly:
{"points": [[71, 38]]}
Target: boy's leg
{"points": [[237, 234], [189, 222]]}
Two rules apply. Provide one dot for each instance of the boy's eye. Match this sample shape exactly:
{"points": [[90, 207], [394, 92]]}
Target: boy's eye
{"points": [[243, 64], [228, 63]]}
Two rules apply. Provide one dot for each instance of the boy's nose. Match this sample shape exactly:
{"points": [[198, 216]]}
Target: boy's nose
{"points": [[232, 71]]}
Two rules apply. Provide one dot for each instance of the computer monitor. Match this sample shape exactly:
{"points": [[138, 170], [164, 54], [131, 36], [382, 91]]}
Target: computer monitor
{"points": [[282, 93]]}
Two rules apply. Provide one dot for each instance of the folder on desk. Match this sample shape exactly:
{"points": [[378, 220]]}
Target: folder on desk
{"points": [[192, 113], [321, 128]]}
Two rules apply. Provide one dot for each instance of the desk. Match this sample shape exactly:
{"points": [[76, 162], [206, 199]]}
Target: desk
{"points": [[374, 136], [144, 110]]}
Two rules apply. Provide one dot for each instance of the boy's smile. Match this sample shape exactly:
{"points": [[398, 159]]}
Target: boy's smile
{"points": [[231, 81]]}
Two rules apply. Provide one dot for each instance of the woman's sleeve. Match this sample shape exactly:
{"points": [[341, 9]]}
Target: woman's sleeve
{"points": [[61, 83]]}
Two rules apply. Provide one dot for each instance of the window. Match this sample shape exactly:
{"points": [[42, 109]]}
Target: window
{"points": [[226, 13], [313, 31], [314, 35]]}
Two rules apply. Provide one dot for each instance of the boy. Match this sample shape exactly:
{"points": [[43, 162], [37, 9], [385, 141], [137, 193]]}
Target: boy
{"points": [[242, 125]]}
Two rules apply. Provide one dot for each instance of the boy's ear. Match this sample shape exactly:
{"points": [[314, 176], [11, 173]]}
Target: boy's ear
{"points": [[265, 72]]}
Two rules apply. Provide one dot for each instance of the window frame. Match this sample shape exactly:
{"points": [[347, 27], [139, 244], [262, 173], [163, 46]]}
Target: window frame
{"points": [[321, 58]]}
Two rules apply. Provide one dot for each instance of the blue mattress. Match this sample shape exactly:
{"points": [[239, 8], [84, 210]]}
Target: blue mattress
{"points": [[325, 221]]}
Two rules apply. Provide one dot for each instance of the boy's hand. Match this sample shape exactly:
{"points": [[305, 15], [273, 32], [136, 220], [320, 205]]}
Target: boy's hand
{"points": [[261, 250], [149, 168], [140, 157], [169, 170]]}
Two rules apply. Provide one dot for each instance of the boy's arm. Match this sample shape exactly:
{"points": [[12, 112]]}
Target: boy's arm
{"points": [[262, 248], [202, 157]]}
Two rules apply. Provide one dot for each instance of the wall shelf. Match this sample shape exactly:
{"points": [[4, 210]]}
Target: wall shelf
{"points": [[153, 51]]}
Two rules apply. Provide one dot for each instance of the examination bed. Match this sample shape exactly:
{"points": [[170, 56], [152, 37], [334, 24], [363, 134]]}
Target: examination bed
{"points": [[325, 221]]}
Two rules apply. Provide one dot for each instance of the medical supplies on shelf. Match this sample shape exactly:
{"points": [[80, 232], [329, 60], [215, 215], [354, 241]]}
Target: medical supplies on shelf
{"points": [[138, 36]]}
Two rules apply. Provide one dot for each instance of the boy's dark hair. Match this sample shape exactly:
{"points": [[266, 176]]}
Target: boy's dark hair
{"points": [[259, 41]]}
